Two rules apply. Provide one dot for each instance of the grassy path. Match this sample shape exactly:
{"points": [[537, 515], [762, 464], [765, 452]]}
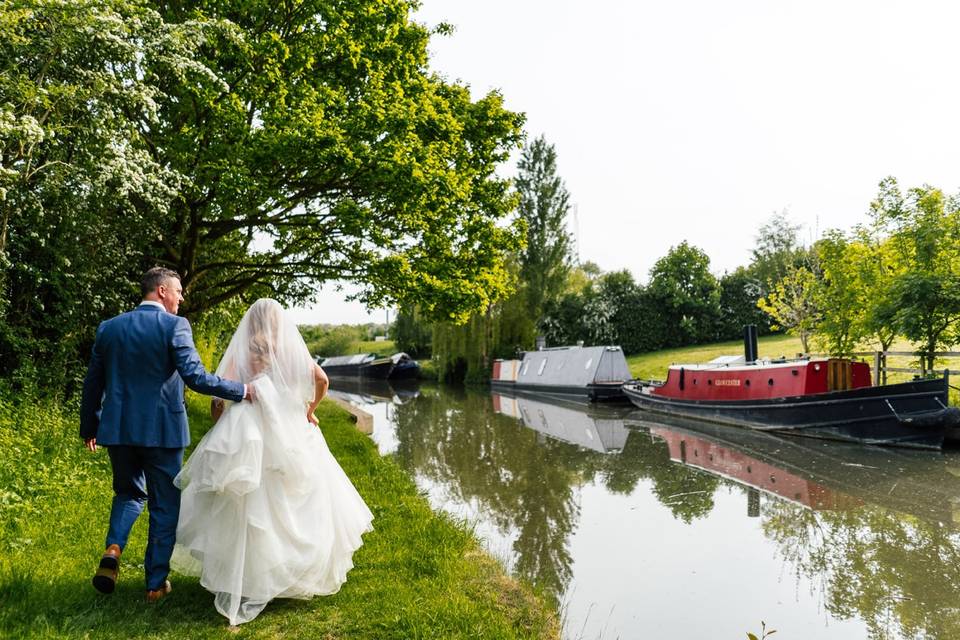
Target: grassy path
{"points": [[418, 575]]}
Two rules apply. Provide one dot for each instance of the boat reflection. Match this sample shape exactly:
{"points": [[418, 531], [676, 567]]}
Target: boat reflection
{"points": [[819, 475], [369, 391], [595, 427]]}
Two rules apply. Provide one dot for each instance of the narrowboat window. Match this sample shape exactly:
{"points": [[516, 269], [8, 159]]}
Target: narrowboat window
{"points": [[770, 382], [543, 365], [795, 372], [709, 381], [816, 367], [746, 382], [694, 381]]}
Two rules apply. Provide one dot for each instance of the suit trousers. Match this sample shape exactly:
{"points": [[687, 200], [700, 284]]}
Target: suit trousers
{"points": [[145, 475]]}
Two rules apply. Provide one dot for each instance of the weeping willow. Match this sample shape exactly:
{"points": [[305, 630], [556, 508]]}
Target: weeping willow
{"points": [[466, 352]]}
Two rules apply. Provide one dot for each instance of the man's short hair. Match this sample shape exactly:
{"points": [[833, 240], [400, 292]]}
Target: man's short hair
{"points": [[155, 277]]}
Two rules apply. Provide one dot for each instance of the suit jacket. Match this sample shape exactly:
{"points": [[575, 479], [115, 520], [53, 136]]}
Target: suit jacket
{"points": [[133, 392]]}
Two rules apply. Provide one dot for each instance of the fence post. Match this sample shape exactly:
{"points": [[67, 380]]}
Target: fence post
{"points": [[876, 369]]}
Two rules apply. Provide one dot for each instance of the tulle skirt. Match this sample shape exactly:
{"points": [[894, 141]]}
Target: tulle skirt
{"points": [[266, 511]]}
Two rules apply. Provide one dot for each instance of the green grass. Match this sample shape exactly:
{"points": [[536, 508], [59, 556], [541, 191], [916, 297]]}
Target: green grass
{"points": [[384, 347], [653, 365], [418, 574]]}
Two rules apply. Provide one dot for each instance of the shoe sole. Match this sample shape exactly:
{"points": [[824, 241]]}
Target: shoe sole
{"points": [[105, 580]]}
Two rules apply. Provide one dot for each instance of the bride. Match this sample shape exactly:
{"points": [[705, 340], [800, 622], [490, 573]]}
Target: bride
{"points": [[266, 512]]}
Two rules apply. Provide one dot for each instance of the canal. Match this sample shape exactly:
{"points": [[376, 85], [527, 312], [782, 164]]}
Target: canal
{"points": [[637, 528]]}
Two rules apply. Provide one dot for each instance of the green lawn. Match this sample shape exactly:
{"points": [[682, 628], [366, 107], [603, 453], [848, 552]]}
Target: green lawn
{"points": [[383, 348], [418, 575], [653, 365]]}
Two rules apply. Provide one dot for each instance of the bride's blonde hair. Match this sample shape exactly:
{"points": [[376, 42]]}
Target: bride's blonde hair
{"points": [[263, 332]]}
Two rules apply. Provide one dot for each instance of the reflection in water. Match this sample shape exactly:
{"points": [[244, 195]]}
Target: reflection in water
{"points": [[875, 528], [868, 535]]}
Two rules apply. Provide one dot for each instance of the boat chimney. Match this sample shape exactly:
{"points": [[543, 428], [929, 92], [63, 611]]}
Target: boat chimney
{"points": [[541, 343], [750, 343]]}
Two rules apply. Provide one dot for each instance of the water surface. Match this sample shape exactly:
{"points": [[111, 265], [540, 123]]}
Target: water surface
{"points": [[640, 529]]}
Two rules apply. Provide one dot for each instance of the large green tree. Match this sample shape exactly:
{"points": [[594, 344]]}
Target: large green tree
{"points": [[79, 194], [332, 152]]}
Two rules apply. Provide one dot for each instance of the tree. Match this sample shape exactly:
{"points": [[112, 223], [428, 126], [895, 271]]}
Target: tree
{"points": [[792, 306], [777, 250], [924, 229], [840, 294], [687, 294], [543, 206], [739, 293], [332, 152], [411, 333], [75, 176]]}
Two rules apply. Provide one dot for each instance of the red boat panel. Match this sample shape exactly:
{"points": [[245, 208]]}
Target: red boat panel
{"points": [[763, 381]]}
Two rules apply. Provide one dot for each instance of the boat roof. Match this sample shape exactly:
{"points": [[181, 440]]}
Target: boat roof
{"points": [[357, 358], [737, 363]]}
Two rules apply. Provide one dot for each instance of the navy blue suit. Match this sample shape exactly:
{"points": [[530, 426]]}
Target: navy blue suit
{"points": [[133, 405]]}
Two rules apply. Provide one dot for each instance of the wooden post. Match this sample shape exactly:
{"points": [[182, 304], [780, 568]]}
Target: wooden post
{"points": [[876, 369]]}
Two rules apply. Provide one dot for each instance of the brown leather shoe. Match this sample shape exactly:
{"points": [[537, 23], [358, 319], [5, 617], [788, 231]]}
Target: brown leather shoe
{"points": [[105, 579], [154, 595]]}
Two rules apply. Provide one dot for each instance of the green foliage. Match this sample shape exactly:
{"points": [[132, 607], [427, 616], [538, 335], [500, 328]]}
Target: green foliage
{"points": [[791, 303], [924, 231], [777, 251], [258, 152], [412, 333], [80, 196], [334, 154], [543, 206], [740, 291], [840, 295], [688, 295]]}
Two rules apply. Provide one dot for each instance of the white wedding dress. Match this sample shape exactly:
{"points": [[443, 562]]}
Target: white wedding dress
{"points": [[266, 511]]}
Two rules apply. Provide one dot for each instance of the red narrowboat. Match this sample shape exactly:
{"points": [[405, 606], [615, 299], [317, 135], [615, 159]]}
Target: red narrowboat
{"points": [[823, 398]]}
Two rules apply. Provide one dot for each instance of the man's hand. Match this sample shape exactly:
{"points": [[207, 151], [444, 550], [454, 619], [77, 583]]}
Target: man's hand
{"points": [[251, 394], [90, 444]]}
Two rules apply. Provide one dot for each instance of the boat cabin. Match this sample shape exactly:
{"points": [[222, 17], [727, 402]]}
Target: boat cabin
{"points": [[764, 379]]}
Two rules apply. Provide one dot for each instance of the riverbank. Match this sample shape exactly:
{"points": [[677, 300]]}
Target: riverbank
{"points": [[419, 574]]}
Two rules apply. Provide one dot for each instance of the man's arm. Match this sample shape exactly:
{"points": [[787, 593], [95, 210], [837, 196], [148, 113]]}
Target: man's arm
{"points": [[194, 374], [92, 397]]}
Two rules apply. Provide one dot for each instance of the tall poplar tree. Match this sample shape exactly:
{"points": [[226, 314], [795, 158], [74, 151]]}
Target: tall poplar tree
{"points": [[544, 204]]}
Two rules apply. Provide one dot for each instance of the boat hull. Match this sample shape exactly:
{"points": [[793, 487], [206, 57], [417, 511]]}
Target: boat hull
{"points": [[909, 414], [597, 392]]}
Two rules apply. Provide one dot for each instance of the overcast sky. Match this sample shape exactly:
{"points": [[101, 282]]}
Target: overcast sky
{"points": [[696, 120]]}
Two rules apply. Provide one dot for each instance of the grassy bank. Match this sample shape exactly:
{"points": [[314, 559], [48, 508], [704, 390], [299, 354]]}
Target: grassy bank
{"points": [[418, 575]]}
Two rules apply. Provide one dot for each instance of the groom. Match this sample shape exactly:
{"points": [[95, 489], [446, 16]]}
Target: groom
{"points": [[133, 405]]}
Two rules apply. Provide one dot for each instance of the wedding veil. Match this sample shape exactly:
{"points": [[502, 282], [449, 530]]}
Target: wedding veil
{"points": [[267, 342]]}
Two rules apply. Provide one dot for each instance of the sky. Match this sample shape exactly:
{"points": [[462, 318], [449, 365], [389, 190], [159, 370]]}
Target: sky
{"points": [[697, 120]]}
